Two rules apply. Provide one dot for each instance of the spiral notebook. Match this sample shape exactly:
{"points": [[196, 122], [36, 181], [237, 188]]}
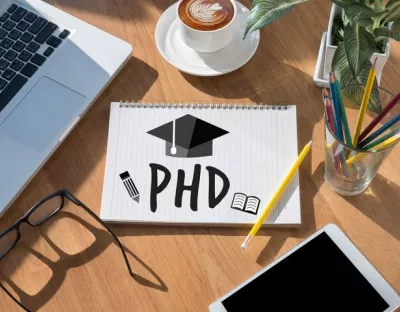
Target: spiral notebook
{"points": [[205, 164]]}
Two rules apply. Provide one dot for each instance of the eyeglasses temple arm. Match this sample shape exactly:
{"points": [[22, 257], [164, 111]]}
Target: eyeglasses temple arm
{"points": [[87, 209], [13, 298]]}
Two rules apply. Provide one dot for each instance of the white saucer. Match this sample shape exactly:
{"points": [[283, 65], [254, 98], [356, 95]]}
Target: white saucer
{"points": [[178, 54]]}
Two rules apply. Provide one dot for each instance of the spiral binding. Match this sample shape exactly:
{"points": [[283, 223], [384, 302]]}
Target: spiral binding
{"points": [[201, 105]]}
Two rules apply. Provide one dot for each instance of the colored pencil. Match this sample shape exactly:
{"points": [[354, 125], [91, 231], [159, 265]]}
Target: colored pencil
{"points": [[331, 123], [342, 159], [381, 130], [382, 139], [378, 118], [325, 94], [343, 115], [352, 160], [336, 108], [338, 156], [364, 103], [388, 142], [370, 139], [277, 195], [329, 110]]}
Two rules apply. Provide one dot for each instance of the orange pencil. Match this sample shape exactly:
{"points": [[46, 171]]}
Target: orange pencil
{"points": [[331, 122], [328, 110]]}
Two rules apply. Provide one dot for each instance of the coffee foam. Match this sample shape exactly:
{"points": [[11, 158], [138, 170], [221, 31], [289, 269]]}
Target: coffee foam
{"points": [[205, 12]]}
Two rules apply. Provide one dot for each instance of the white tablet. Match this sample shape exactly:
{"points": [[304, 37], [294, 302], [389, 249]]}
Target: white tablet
{"points": [[326, 272]]}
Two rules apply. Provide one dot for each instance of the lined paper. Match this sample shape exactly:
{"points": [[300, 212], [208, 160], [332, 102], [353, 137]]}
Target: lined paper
{"points": [[255, 155]]}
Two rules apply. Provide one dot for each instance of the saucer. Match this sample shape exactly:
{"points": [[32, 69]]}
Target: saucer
{"points": [[178, 54]]}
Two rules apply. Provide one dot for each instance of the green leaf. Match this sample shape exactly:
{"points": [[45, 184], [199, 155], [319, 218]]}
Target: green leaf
{"points": [[359, 46], [392, 4], [394, 32], [343, 3], [367, 23], [264, 12], [345, 19], [340, 3], [377, 5], [341, 67], [393, 11], [358, 11]]}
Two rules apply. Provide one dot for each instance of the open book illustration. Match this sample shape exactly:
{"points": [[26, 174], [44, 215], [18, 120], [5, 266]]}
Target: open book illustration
{"points": [[245, 203]]}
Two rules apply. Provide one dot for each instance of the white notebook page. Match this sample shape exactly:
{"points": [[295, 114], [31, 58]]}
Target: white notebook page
{"points": [[255, 155]]}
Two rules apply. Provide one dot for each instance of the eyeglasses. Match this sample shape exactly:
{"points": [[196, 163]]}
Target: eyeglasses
{"points": [[37, 215]]}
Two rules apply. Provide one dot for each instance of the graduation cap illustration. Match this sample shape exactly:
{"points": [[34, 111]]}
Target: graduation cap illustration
{"points": [[188, 137]]}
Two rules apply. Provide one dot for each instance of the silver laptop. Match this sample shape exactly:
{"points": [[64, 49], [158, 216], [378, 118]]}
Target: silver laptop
{"points": [[52, 68]]}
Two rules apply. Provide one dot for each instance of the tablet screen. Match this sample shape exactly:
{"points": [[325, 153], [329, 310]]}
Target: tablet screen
{"points": [[316, 277]]}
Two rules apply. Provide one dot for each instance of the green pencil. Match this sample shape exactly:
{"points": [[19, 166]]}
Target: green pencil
{"points": [[343, 115], [380, 140]]}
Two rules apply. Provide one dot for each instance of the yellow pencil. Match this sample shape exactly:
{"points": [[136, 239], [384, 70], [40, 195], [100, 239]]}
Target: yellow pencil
{"points": [[278, 193], [364, 103], [389, 142], [352, 160]]}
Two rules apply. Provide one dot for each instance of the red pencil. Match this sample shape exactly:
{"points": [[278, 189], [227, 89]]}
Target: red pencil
{"points": [[329, 114], [378, 118]]}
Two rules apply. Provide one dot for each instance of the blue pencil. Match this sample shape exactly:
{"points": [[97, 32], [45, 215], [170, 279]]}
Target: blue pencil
{"points": [[381, 130], [338, 123], [336, 108], [343, 116]]}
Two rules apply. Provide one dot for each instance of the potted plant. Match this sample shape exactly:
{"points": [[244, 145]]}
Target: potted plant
{"points": [[358, 28], [335, 35]]}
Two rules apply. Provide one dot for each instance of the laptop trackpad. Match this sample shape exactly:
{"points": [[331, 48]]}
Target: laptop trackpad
{"points": [[43, 115]]}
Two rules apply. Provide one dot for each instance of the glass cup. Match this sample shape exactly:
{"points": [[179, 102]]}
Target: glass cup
{"points": [[348, 170]]}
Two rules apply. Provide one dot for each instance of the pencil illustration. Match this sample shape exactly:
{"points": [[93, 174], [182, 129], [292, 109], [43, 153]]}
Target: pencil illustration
{"points": [[130, 186]]}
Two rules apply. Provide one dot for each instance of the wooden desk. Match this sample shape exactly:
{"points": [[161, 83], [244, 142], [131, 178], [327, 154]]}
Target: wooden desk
{"points": [[71, 264]]}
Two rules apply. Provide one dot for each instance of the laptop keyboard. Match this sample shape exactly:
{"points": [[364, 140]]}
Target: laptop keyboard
{"points": [[26, 41]]}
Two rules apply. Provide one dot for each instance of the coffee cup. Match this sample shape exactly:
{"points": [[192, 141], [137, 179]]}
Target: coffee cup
{"points": [[207, 25]]}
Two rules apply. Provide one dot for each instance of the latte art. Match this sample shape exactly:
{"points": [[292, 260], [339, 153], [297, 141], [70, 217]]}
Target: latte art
{"points": [[206, 14]]}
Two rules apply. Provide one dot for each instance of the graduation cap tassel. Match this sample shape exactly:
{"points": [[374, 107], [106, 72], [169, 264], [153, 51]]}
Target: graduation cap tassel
{"points": [[173, 148]]}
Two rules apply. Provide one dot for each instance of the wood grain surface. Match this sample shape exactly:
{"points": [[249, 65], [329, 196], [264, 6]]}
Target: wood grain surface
{"points": [[72, 264]]}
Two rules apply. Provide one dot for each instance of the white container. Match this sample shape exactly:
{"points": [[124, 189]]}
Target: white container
{"points": [[319, 68], [330, 49]]}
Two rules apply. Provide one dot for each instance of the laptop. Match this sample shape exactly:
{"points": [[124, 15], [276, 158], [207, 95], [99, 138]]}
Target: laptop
{"points": [[53, 66]]}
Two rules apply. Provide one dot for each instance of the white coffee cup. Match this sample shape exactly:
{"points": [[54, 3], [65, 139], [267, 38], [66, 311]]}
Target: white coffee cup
{"points": [[208, 40]]}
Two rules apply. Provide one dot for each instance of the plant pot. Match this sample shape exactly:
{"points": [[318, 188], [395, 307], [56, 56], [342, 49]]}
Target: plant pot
{"points": [[330, 49]]}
